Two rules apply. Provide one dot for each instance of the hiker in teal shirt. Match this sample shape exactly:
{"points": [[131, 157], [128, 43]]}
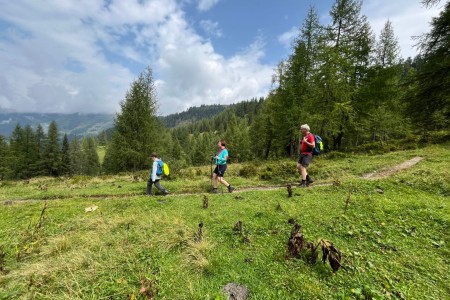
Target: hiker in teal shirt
{"points": [[220, 160]]}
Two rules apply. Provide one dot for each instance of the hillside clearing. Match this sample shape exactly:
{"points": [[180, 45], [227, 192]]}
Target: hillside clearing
{"points": [[392, 233]]}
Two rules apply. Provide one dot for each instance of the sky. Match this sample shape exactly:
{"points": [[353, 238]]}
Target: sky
{"points": [[67, 56]]}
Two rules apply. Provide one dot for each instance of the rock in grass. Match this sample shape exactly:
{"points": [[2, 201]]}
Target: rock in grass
{"points": [[235, 291]]}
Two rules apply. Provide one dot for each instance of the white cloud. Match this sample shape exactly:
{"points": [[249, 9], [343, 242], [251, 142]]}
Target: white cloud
{"points": [[204, 5], [193, 73], [409, 18], [211, 28], [81, 56], [288, 37]]}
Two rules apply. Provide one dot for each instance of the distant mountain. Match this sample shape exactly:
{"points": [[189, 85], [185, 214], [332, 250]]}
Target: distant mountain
{"points": [[80, 124], [192, 115], [73, 124]]}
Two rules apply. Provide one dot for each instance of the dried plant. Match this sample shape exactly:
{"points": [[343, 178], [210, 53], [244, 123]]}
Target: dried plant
{"points": [[199, 236], [238, 227], [298, 247], [333, 254], [147, 289], [289, 190], [205, 202]]}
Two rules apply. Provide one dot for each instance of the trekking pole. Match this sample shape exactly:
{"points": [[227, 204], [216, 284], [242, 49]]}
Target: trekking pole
{"points": [[211, 173]]}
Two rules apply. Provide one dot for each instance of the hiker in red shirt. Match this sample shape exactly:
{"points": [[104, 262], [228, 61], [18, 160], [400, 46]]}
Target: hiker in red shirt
{"points": [[305, 157]]}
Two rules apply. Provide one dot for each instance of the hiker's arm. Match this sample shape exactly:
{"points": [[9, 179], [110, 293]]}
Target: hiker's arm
{"points": [[154, 167], [311, 144]]}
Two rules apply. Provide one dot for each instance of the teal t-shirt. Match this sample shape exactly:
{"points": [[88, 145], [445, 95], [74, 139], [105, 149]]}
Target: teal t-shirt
{"points": [[222, 160]]}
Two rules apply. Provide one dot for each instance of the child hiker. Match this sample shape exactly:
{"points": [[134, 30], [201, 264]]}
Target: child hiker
{"points": [[221, 166], [154, 178]]}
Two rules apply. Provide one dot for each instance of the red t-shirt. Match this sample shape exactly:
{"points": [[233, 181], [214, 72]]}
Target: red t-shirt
{"points": [[304, 147]]}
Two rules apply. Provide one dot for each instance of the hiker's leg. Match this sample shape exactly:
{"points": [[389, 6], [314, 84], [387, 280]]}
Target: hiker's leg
{"points": [[159, 187], [299, 169], [222, 181], [214, 180], [149, 187], [303, 172]]}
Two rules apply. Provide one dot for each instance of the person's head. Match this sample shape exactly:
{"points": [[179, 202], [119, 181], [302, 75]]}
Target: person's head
{"points": [[154, 156], [304, 128], [221, 143]]}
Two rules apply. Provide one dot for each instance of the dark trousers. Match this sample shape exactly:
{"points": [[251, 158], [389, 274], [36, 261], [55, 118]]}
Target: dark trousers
{"points": [[157, 184]]}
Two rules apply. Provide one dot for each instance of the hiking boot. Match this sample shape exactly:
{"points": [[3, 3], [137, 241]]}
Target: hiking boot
{"points": [[214, 191], [166, 192], [303, 184], [309, 180], [230, 188]]}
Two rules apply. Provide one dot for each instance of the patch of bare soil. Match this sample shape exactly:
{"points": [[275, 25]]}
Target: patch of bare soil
{"points": [[389, 171]]}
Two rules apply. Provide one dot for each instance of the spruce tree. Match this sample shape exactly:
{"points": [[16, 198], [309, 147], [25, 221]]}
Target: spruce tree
{"points": [[5, 159], [41, 141], [77, 158], [135, 135], [30, 153], [17, 144], [65, 159], [52, 154], [430, 104], [92, 166]]}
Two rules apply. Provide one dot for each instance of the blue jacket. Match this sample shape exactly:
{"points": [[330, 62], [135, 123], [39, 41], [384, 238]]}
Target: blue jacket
{"points": [[222, 157]]}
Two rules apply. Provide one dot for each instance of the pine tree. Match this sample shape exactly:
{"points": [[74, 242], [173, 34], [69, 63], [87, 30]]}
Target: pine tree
{"points": [[387, 48], [92, 166], [17, 142], [345, 58], [30, 153], [135, 133], [65, 159], [5, 160], [381, 113], [77, 157], [52, 154], [430, 104], [41, 141]]}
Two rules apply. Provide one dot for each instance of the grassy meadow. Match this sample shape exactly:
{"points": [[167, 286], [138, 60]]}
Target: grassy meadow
{"points": [[97, 238]]}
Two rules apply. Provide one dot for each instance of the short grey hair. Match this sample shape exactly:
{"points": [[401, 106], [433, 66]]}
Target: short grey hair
{"points": [[305, 126]]}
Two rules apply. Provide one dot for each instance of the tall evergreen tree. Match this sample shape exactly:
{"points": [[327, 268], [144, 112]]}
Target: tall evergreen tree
{"points": [[92, 166], [52, 154], [345, 60], [135, 133], [387, 48], [5, 159], [380, 111], [65, 159], [77, 157], [17, 144], [41, 141], [29, 152], [430, 105]]}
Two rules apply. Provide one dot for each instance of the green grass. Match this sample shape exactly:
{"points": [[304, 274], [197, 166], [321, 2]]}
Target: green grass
{"points": [[395, 244]]}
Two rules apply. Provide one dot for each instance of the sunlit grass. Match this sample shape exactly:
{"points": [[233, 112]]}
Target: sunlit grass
{"points": [[394, 234]]}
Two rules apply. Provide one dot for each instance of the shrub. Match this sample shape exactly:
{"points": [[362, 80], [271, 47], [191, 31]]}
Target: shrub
{"points": [[248, 171]]}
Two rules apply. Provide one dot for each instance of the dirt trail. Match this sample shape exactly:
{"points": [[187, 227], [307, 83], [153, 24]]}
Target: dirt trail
{"points": [[389, 171], [369, 176]]}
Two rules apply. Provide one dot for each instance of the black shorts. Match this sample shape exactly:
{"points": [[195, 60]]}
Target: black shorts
{"points": [[220, 170], [305, 159]]}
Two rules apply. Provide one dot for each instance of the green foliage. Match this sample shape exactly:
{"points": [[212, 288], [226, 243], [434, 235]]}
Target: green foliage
{"points": [[429, 104], [192, 115], [137, 130], [105, 253], [65, 160], [52, 153]]}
